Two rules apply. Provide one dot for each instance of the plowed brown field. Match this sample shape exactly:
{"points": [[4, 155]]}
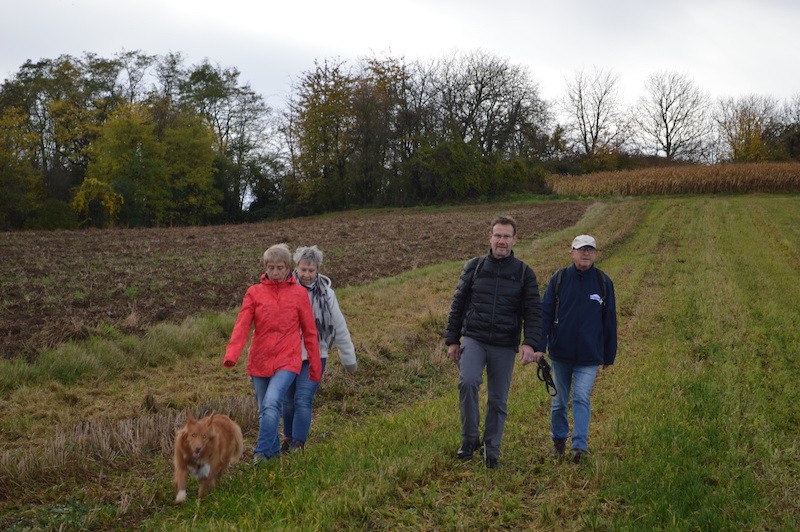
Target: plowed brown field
{"points": [[61, 285]]}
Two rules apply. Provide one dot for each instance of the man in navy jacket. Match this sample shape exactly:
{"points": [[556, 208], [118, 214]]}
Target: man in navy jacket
{"points": [[579, 328]]}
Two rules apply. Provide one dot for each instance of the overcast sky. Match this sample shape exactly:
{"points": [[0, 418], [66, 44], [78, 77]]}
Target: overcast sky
{"points": [[728, 47]]}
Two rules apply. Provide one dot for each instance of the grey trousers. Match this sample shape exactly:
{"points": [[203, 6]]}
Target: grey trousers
{"points": [[499, 364]]}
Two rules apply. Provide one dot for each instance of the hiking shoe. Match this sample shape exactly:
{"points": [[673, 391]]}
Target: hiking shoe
{"points": [[465, 452], [491, 462], [297, 446], [286, 445], [577, 456], [559, 447]]}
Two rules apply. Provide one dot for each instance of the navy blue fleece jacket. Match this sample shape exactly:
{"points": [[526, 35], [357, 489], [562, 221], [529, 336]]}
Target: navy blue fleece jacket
{"points": [[586, 332]]}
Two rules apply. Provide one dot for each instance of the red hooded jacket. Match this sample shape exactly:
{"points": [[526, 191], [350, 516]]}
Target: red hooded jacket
{"points": [[283, 318]]}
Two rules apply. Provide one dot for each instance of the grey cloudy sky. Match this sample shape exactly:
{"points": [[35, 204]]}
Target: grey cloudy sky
{"points": [[728, 47]]}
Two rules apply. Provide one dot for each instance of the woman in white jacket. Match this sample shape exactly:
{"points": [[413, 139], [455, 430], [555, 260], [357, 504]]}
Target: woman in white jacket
{"points": [[332, 332]]}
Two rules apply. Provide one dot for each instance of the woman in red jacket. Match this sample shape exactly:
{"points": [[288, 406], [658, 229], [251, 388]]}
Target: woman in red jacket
{"points": [[281, 312]]}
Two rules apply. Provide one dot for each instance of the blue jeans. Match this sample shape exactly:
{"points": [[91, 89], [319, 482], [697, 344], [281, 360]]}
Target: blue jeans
{"points": [[297, 405], [580, 379], [269, 396]]}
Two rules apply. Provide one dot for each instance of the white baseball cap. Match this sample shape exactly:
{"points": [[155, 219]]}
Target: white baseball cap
{"points": [[583, 240]]}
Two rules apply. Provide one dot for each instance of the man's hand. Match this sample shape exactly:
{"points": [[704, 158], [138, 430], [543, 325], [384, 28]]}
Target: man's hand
{"points": [[454, 352], [527, 355]]}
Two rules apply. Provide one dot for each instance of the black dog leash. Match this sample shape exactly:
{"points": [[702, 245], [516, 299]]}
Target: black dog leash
{"points": [[543, 373]]}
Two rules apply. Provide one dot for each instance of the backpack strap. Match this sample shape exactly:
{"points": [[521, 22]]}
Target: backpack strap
{"points": [[558, 276], [602, 278], [475, 272]]}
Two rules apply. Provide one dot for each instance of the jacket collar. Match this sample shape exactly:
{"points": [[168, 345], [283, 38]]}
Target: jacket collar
{"points": [[579, 272], [268, 282], [494, 259]]}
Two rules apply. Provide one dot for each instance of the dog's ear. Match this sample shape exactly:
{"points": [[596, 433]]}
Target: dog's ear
{"points": [[189, 417]]}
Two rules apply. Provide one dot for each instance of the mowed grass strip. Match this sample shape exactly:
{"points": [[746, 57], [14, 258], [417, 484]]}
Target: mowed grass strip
{"points": [[702, 411]]}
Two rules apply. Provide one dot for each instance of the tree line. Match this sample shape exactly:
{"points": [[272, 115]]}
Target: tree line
{"points": [[146, 140]]}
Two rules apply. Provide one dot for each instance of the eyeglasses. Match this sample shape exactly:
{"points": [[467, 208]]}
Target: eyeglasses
{"points": [[586, 249]]}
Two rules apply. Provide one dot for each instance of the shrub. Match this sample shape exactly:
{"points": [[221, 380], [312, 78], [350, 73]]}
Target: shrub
{"points": [[53, 214]]}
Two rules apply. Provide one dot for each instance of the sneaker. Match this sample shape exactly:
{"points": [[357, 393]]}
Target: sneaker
{"points": [[297, 446], [577, 455], [559, 447], [465, 452], [259, 457], [491, 462]]}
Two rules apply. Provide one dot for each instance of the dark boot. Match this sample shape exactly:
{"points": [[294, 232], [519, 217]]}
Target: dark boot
{"points": [[577, 455], [559, 447], [286, 445], [466, 451]]}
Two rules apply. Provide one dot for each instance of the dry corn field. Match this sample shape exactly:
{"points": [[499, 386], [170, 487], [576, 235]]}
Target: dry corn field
{"points": [[730, 178]]}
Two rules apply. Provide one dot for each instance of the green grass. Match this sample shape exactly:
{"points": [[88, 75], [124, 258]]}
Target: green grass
{"points": [[710, 411], [108, 352], [695, 427]]}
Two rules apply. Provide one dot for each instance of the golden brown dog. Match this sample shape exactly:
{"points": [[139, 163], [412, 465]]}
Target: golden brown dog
{"points": [[205, 448]]}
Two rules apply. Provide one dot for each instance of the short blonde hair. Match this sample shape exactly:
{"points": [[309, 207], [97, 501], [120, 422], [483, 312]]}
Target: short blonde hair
{"points": [[311, 254], [278, 253]]}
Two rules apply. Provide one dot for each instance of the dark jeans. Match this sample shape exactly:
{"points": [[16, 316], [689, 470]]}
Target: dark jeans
{"points": [[499, 364], [297, 405]]}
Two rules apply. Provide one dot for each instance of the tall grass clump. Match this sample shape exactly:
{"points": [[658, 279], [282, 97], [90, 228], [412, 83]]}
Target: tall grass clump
{"points": [[721, 178], [15, 373], [108, 352]]}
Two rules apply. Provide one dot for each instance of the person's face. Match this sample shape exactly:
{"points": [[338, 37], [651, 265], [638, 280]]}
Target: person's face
{"points": [[502, 239], [306, 272], [583, 258], [277, 271]]}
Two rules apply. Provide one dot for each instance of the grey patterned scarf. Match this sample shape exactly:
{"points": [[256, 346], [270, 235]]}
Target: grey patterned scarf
{"points": [[321, 305]]}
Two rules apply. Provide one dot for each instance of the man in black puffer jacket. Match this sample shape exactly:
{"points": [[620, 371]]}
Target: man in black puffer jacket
{"points": [[497, 297]]}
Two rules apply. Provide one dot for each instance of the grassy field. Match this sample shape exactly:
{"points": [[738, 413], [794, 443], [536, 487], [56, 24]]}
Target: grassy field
{"points": [[695, 427]]}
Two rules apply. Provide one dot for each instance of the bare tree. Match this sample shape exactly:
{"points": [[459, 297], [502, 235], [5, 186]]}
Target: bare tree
{"points": [[592, 103], [790, 131], [791, 110], [490, 102], [135, 66], [673, 118], [170, 73]]}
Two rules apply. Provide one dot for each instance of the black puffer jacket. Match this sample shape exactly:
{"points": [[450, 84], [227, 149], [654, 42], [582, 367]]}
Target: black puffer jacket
{"points": [[492, 304]]}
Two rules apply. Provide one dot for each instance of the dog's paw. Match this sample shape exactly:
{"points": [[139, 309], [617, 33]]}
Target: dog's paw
{"points": [[180, 497]]}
